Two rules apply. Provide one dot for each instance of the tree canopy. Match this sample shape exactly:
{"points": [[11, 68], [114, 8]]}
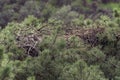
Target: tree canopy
{"points": [[59, 40]]}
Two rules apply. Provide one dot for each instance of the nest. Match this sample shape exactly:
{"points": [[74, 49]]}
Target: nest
{"points": [[29, 43], [89, 36]]}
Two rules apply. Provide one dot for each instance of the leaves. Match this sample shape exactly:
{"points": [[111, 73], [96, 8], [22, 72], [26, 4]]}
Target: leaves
{"points": [[68, 46]]}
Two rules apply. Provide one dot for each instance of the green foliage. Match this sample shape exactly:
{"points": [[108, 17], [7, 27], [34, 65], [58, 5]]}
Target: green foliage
{"points": [[68, 44], [80, 70], [60, 58], [44, 9]]}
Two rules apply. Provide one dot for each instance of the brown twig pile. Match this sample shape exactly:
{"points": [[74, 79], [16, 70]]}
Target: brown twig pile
{"points": [[30, 40]]}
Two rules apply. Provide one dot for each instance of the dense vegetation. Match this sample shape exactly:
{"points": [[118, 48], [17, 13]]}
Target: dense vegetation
{"points": [[17, 10], [60, 40]]}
